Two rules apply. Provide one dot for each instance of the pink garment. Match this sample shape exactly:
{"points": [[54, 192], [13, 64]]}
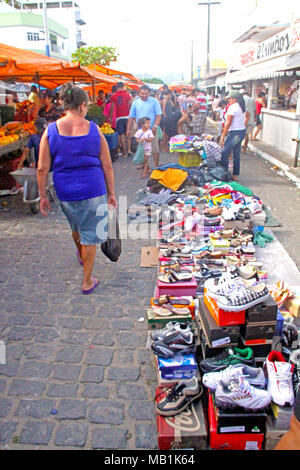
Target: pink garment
{"points": [[106, 113], [147, 135]]}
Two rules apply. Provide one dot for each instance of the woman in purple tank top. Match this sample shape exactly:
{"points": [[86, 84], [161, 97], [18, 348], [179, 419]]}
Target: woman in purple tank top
{"points": [[83, 177]]}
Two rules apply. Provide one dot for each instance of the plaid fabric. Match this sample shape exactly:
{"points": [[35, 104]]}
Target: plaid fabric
{"points": [[198, 123], [244, 296]]}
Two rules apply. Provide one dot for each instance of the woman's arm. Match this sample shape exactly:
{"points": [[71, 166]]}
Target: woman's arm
{"points": [[226, 128], [247, 117], [44, 165], [23, 158], [108, 171]]}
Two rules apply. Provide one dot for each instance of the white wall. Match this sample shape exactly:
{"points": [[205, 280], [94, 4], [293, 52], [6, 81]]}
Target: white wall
{"points": [[279, 131]]}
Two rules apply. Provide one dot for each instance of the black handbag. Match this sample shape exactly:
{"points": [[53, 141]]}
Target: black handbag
{"points": [[112, 248]]}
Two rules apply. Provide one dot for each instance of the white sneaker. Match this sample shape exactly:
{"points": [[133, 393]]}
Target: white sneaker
{"points": [[255, 376], [240, 393], [279, 374], [226, 285]]}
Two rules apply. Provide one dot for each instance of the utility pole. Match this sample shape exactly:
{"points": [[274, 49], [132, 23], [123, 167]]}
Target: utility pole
{"points": [[47, 47], [192, 62], [208, 3]]}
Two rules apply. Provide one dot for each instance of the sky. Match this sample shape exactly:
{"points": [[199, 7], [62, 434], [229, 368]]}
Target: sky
{"points": [[156, 37]]}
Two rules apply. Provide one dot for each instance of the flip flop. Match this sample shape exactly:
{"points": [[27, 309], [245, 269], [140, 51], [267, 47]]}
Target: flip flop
{"points": [[92, 288], [79, 259]]}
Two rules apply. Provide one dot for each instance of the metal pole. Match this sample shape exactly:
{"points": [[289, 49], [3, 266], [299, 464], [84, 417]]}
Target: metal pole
{"points": [[192, 62], [47, 47], [208, 39]]}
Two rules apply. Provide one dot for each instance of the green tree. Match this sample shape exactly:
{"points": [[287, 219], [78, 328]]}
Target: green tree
{"points": [[101, 55], [153, 80]]}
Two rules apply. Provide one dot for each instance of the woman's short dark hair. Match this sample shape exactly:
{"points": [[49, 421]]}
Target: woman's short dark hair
{"points": [[72, 96], [33, 88]]}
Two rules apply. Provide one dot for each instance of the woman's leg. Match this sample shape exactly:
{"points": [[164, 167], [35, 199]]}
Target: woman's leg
{"points": [[76, 239], [227, 149], [256, 132], [236, 154], [88, 258]]}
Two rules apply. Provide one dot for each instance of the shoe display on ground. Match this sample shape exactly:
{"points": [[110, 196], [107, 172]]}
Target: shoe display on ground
{"points": [[279, 376], [229, 356], [243, 298], [172, 326], [179, 397], [175, 341], [238, 392], [225, 285], [255, 376]]}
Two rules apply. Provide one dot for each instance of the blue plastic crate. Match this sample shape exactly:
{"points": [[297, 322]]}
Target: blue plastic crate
{"points": [[112, 140], [279, 324]]}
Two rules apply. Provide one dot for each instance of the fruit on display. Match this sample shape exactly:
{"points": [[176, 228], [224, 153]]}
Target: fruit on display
{"points": [[15, 130], [26, 111], [107, 129]]}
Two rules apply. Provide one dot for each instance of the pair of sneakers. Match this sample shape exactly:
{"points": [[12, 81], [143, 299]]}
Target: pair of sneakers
{"points": [[239, 385], [175, 338]]}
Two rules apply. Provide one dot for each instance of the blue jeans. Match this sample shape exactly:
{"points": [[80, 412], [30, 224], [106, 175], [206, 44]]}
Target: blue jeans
{"points": [[233, 145]]}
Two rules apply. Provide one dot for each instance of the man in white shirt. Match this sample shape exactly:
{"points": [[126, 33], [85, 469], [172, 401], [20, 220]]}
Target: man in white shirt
{"points": [[250, 120]]}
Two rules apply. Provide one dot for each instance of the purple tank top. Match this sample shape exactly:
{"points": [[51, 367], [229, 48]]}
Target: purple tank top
{"points": [[77, 169]]}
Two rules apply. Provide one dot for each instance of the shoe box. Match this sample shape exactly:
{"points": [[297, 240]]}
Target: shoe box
{"points": [[259, 218], [222, 317], [156, 322], [178, 367], [185, 288], [191, 305], [293, 305], [216, 335], [186, 430], [233, 440], [205, 350], [260, 347], [276, 430], [265, 311], [258, 330]]}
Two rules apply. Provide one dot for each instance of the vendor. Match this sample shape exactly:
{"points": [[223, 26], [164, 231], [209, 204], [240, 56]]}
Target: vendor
{"points": [[33, 96], [49, 110]]}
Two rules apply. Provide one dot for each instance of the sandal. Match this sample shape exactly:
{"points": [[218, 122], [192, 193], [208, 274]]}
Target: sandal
{"points": [[165, 299], [167, 310]]}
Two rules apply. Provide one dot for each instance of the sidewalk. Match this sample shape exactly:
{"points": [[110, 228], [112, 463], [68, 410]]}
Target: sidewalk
{"points": [[281, 160]]}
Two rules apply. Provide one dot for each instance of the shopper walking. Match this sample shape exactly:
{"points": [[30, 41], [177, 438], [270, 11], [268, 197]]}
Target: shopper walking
{"points": [[260, 103], [121, 103], [49, 110], [235, 130], [250, 124], [82, 175], [146, 106], [171, 115]]}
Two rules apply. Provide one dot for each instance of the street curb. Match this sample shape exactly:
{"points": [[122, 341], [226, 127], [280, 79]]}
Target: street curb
{"points": [[285, 168]]}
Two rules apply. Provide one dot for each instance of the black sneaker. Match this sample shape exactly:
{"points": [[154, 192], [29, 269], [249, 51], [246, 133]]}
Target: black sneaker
{"points": [[230, 356], [179, 397]]}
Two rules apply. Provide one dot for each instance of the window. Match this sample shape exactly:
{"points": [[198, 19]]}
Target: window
{"points": [[33, 37], [67, 4]]}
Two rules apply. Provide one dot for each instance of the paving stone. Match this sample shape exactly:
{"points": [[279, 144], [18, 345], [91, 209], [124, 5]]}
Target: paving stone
{"points": [[36, 369], [71, 323], [66, 372], [40, 408], [121, 373], [37, 351], [106, 412], [92, 390], [36, 432], [93, 374], [146, 436], [62, 390], [74, 435], [70, 354], [141, 411], [101, 357], [7, 430], [125, 357], [46, 335], [18, 320], [19, 333], [14, 352], [10, 369], [122, 325], [145, 357], [132, 392], [2, 385], [26, 387], [5, 407], [109, 438], [102, 339], [77, 338], [132, 340], [72, 409], [44, 320]]}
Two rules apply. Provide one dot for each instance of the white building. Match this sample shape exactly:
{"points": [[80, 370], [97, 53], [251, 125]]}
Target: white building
{"points": [[22, 25]]}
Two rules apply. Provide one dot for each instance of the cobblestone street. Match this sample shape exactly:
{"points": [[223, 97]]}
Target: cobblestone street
{"points": [[78, 374]]}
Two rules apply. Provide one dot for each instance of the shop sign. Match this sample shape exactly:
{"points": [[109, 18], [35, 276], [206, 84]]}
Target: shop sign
{"points": [[287, 41]]}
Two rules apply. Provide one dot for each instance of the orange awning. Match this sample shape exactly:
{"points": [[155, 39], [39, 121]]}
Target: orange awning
{"points": [[128, 78]]}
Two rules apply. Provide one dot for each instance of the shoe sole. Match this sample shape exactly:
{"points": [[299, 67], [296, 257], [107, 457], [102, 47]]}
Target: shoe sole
{"points": [[234, 308], [220, 404], [173, 413]]}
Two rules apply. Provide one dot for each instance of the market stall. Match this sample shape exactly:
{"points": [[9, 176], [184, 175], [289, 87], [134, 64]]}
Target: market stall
{"points": [[273, 66], [221, 323]]}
